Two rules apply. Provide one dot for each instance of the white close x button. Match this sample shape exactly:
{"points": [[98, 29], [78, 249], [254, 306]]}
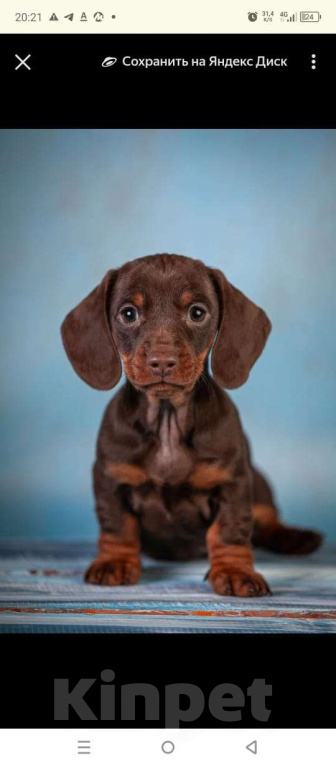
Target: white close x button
{"points": [[23, 62]]}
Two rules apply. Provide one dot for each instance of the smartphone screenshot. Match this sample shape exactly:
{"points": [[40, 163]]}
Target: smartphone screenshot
{"points": [[167, 515]]}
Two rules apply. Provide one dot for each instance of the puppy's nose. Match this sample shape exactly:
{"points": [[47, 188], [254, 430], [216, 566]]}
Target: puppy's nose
{"points": [[162, 364]]}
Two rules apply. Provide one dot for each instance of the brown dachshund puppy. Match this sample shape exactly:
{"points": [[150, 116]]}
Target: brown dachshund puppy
{"points": [[173, 476]]}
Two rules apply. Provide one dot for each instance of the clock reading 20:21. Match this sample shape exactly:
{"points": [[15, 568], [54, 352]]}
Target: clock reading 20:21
{"points": [[28, 17]]}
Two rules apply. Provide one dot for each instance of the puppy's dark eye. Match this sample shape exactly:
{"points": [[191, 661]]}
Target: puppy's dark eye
{"points": [[129, 314], [196, 313]]}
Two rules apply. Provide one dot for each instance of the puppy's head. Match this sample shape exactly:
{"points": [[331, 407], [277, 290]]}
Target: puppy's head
{"points": [[161, 315]]}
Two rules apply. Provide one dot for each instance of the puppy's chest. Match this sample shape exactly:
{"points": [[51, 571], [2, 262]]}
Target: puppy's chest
{"points": [[169, 459]]}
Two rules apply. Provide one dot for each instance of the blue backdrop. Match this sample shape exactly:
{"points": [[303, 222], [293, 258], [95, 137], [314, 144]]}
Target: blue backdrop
{"points": [[260, 204]]}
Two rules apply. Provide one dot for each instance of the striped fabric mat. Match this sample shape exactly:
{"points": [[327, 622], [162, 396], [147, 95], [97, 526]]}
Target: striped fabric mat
{"points": [[42, 591]]}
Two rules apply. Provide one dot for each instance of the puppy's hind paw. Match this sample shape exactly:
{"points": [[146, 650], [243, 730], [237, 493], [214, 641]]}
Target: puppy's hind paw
{"points": [[292, 541]]}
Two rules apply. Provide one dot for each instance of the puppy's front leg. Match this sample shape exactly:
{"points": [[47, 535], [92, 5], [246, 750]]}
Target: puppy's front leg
{"points": [[228, 544], [118, 561]]}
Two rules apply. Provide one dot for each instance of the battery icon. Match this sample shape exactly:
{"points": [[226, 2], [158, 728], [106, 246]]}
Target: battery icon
{"points": [[310, 16]]}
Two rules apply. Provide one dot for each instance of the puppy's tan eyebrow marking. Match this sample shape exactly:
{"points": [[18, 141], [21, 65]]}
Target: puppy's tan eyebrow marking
{"points": [[186, 298], [138, 300]]}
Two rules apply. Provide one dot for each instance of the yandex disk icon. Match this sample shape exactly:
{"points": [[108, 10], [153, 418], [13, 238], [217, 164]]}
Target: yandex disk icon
{"points": [[109, 61]]}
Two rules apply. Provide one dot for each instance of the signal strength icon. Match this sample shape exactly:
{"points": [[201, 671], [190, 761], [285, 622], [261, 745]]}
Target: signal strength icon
{"points": [[293, 17]]}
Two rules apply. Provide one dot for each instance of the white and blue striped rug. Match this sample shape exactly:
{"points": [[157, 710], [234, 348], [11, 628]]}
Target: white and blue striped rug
{"points": [[42, 591]]}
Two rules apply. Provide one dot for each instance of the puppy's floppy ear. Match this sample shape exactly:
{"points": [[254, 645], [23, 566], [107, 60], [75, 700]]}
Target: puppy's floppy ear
{"points": [[242, 333], [87, 338]]}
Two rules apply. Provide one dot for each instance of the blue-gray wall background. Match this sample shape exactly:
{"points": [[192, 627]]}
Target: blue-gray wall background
{"points": [[260, 204]]}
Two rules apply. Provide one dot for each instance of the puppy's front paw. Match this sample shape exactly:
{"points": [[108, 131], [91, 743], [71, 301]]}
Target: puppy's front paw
{"points": [[122, 571], [233, 582]]}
